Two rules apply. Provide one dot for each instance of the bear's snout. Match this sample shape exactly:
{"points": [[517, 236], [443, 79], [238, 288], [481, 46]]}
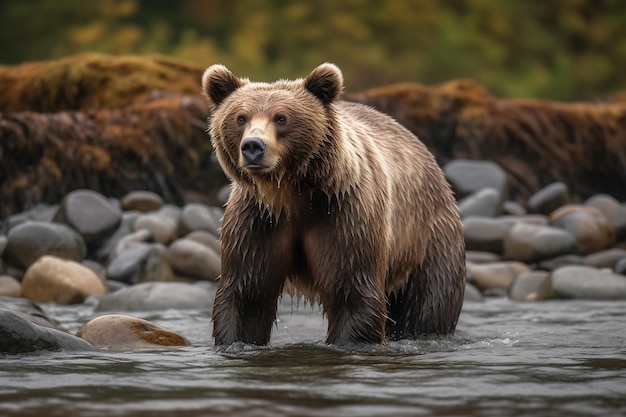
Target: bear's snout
{"points": [[253, 150]]}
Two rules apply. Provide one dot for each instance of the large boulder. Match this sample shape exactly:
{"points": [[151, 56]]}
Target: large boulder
{"points": [[18, 334]]}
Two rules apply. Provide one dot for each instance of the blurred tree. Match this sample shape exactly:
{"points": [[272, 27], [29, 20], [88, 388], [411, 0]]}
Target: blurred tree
{"points": [[562, 49]]}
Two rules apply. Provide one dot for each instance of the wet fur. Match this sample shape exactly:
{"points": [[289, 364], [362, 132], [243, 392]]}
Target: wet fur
{"points": [[354, 214]]}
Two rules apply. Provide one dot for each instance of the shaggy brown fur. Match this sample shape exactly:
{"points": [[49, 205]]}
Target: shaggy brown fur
{"points": [[335, 201]]}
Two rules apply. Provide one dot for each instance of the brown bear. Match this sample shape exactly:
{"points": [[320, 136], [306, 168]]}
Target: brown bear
{"points": [[335, 202]]}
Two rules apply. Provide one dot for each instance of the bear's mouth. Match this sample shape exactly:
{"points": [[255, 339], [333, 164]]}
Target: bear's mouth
{"points": [[256, 168]]}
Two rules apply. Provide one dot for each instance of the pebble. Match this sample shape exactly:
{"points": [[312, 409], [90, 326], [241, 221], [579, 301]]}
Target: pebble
{"points": [[589, 226], [467, 177], [531, 286], [91, 214], [560, 261], [495, 275], [157, 296], [587, 283], [143, 201], [605, 259], [140, 262], [549, 198], [119, 332], [479, 257], [486, 203], [485, 234], [31, 240], [52, 279], [530, 243], [472, 294], [162, 228], [9, 286], [206, 238], [613, 210], [190, 258], [197, 216]]}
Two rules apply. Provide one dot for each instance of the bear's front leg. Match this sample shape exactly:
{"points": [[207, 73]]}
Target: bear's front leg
{"points": [[348, 274], [355, 315], [254, 267]]}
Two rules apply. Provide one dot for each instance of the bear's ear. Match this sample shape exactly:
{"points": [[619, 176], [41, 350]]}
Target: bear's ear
{"points": [[325, 82], [218, 83]]}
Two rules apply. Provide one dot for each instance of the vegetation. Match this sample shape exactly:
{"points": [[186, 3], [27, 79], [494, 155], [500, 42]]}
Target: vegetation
{"points": [[559, 49]]}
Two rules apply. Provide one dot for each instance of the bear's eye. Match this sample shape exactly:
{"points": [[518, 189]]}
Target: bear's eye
{"points": [[241, 120], [280, 119]]}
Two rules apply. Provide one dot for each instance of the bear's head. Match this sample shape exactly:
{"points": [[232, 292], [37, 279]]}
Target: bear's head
{"points": [[272, 132]]}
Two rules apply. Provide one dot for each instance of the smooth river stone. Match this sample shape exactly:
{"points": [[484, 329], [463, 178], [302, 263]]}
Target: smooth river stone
{"points": [[119, 332], [143, 201], [151, 296], [62, 281], [589, 226], [18, 334], [89, 213], [583, 282], [30, 240]]}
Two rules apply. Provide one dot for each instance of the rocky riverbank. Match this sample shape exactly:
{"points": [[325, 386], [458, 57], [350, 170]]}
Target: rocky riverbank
{"points": [[139, 253]]}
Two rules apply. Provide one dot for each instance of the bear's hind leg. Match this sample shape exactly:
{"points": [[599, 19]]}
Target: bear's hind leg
{"points": [[429, 303]]}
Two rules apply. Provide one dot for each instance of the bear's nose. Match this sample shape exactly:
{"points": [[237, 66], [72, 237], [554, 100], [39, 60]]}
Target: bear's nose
{"points": [[253, 149]]}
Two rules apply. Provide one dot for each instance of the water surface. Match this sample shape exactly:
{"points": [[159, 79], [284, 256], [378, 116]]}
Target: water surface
{"points": [[556, 358]]}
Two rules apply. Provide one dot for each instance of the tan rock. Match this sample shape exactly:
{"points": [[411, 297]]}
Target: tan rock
{"points": [[122, 332], [52, 279], [10, 287], [495, 274]]}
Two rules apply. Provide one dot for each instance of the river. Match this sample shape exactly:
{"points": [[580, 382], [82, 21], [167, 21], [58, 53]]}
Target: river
{"points": [[553, 358]]}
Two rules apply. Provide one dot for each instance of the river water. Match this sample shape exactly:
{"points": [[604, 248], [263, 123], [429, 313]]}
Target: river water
{"points": [[555, 358]]}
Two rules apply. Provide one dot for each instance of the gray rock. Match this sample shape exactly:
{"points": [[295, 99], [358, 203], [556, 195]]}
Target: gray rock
{"points": [[18, 335], [162, 227], [105, 252], [143, 201], [197, 216], [549, 198], [32, 311], [530, 243], [157, 296], [31, 240], [206, 238], [513, 208], [41, 213], [468, 177], [485, 234], [485, 203], [613, 210], [89, 213], [192, 259], [589, 226], [479, 257], [583, 282], [472, 294], [605, 259], [139, 262], [620, 267], [531, 286], [557, 262]]}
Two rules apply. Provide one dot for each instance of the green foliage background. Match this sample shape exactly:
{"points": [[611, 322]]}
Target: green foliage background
{"points": [[556, 49]]}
